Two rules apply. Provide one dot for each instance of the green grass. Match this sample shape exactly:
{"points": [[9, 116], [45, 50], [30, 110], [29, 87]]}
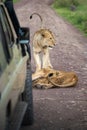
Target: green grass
{"points": [[16, 1], [78, 17]]}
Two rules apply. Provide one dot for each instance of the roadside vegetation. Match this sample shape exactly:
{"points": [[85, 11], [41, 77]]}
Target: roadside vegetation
{"points": [[15, 1], [75, 11]]}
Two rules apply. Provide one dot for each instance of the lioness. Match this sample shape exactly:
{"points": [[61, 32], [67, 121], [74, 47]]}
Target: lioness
{"points": [[50, 78], [43, 40]]}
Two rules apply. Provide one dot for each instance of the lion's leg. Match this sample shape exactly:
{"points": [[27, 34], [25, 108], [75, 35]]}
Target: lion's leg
{"points": [[37, 61], [46, 59]]}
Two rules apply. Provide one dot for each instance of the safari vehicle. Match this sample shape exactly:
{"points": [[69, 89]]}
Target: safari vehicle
{"points": [[16, 101]]}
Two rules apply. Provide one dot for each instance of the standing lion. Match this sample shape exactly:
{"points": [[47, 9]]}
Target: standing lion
{"points": [[43, 40]]}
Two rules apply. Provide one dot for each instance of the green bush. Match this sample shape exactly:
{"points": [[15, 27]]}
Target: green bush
{"points": [[65, 3], [74, 2], [77, 17], [61, 3], [85, 26]]}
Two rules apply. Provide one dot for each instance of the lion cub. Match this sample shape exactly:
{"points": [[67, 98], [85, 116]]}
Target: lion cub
{"points": [[43, 40]]}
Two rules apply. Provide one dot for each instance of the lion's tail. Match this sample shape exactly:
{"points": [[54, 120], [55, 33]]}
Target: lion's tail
{"points": [[70, 84], [39, 17]]}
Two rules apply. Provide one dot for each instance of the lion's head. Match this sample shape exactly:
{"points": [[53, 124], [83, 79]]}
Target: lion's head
{"points": [[43, 39], [48, 38]]}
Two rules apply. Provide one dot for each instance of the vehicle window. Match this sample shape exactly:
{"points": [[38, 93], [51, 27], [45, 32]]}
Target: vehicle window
{"points": [[6, 26], [6, 35], [6, 53], [3, 53]]}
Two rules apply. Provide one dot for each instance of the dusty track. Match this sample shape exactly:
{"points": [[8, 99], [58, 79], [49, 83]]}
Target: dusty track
{"points": [[58, 109]]}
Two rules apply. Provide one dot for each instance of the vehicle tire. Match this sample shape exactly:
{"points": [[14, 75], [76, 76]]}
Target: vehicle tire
{"points": [[28, 97], [7, 124]]}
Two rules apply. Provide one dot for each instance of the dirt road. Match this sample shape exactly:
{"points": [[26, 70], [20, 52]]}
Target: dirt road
{"points": [[58, 109]]}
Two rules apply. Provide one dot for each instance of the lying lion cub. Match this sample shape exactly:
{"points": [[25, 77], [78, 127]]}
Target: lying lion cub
{"points": [[43, 40], [50, 78]]}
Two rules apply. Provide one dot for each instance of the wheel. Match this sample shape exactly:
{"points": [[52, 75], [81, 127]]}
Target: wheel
{"points": [[7, 123], [28, 97]]}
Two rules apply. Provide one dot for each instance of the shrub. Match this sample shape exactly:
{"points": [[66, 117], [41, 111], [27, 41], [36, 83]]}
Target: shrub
{"points": [[61, 3], [74, 2], [65, 3], [85, 26], [78, 16]]}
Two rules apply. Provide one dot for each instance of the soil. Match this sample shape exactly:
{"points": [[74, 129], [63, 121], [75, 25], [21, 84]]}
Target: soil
{"points": [[58, 109]]}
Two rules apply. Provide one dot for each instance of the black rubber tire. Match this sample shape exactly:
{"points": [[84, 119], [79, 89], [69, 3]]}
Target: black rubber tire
{"points": [[28, 97], [7, 124]]}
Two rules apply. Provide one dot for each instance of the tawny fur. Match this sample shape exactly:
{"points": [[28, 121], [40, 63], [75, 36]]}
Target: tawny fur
{"points": [[50, 78], [43, 40], [45, 76]]}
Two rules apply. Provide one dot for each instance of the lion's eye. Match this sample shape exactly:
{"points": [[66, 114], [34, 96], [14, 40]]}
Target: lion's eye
{"points": [[50, 37], [43, 35], [50, 75]]}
